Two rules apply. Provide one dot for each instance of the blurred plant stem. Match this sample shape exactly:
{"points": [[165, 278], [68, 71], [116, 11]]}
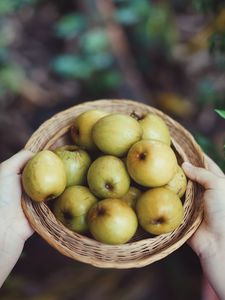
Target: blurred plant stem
{"points": [[121, 50]]}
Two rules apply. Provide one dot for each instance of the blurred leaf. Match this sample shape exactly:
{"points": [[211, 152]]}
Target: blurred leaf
{"points": [[72, 67], [69, 26], [7, 33], [12, 77], [210, 148], [142, 7], [220, 112], [157, 21], [107, 81], [9, 6], [217, 43], [127, 16], [206, 92], [204, 5], [6, 6], [94, 40], [100, 61], [3, 55], [21, 3], [3, 90], [112, 79], [132, 12], [160, 26]]}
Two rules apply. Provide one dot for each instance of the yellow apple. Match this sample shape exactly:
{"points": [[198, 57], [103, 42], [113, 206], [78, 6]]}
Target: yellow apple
{"points": [[159, 211], [81, 129], [178, 183], [154, 128], [131, 196], [108, 178], [72, 206], [116, 133], [76, 162], [44, 176], [112, 221], [151, 163]]}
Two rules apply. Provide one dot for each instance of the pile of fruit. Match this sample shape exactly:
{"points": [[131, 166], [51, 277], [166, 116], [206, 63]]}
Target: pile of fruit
{"points": [[120, 173]]}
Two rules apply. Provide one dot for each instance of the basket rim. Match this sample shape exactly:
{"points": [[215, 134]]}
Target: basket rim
{"points": [[109, 264]]}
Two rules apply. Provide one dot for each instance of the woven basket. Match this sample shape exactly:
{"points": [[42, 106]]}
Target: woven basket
{"points": [[142, 249]]}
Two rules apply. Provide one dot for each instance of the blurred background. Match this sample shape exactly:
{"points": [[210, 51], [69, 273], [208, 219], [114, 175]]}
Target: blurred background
{"points": [[55, 54]]}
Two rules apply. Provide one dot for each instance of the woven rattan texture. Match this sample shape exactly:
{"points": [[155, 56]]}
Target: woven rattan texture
{"points": [[143, 249]]}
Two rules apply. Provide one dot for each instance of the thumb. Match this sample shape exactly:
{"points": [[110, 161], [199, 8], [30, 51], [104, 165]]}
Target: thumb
{"points": [[203, 176], [14, 165]]}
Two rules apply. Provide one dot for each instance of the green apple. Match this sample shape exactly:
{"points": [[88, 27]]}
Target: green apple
{"points": [[154, 128], [159, 211], [44, 176], [81, 129], [131, 196], [112, 221], [72, 206], [116, 133], [76, 162], [151, 163], [108, 178], [178, 183]]}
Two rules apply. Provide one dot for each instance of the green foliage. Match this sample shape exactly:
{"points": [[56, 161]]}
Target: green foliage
{"points": [[161, 28], [94, 41], [10, 6], [127, 16], [204, 5], [209, 148], [101, 61], [112, 79], [217, 49], [220, 112], [72, 67], [217, 43], [206, 92], [90, 57], [11, 78], [107, 81], [7, 34], [69, 26], [132, 12]]}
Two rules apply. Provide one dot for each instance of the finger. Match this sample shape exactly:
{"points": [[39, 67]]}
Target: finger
{"points": [[204, 177], [212, 166], [14, 165]]}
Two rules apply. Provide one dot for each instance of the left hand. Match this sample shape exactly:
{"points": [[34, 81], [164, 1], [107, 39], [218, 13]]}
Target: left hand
{"points": [[13, 221]]}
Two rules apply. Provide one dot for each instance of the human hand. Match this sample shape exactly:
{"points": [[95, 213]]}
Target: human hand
{"points": [[213, 225], [14, 227], [12, 218], [209, 240]]}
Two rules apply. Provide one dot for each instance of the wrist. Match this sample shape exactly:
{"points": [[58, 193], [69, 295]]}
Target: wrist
{"points": [[10, 241], [11, 247], [213, 266], [211, 248], [19, 230]]}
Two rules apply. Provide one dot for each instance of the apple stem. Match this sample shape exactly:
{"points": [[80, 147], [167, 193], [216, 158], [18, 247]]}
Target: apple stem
{"points": [[136, 116]]}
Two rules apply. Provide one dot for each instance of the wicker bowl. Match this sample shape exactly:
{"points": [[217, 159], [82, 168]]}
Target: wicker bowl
{"points": [[142, 249]]}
